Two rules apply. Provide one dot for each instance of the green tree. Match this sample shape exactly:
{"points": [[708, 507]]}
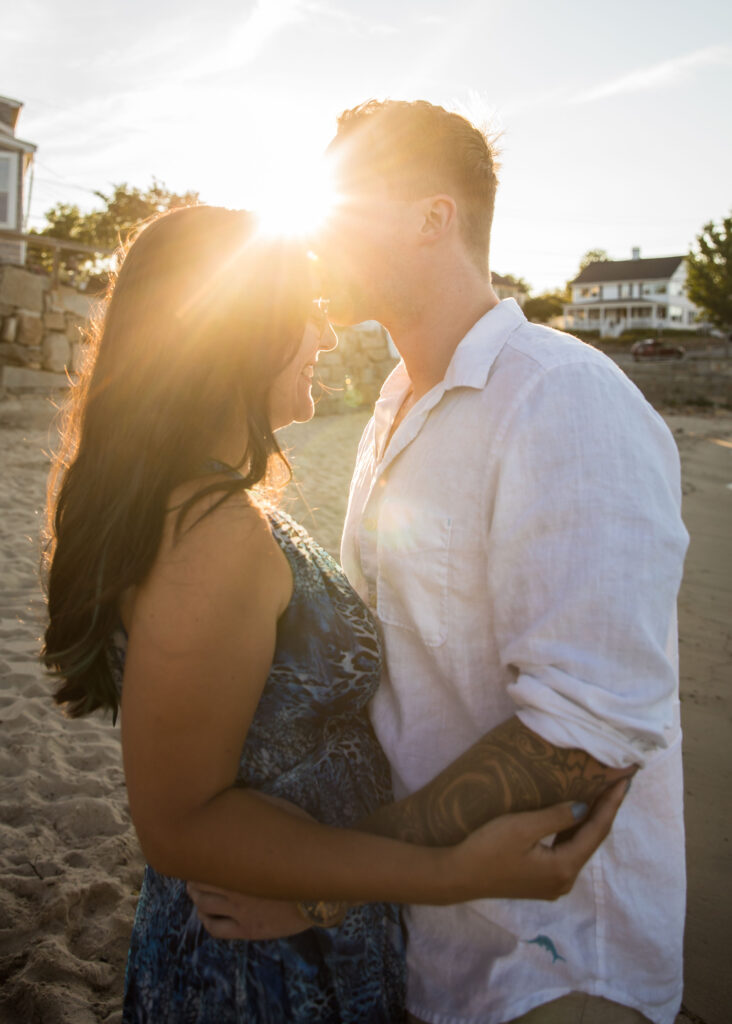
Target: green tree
{"points": [[542, 308], [593, 256], [123, 209], [518, 282], [709, 273]]}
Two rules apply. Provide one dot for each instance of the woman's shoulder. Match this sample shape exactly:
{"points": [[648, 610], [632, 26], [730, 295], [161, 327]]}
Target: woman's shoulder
{"points": [[221, 542], [195, 517]]}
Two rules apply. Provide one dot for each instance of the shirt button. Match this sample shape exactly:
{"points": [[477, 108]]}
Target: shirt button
{"points": [[369, 524], [372, 601]]}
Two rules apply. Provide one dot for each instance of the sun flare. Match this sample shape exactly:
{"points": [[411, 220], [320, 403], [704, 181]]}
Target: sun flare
{"points": [[295, 206]]}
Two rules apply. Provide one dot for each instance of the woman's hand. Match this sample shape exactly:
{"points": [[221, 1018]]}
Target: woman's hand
{"points": [[504, 859], [507, 859], [232, 915]]}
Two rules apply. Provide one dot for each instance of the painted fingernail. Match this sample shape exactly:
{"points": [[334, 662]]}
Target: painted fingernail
{"points": [[579, 811]]}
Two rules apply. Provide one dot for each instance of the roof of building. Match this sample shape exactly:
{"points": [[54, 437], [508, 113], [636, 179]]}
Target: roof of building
{"points": [[10, 141], [9, 111], [645, 300], [509, 282], [628, 270]]}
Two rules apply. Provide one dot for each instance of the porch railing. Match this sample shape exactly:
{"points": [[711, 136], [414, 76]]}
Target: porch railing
{"points": [[57, 245]]}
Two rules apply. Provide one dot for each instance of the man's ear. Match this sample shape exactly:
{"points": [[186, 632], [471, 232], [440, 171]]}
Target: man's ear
{"points": [[438, 215]]}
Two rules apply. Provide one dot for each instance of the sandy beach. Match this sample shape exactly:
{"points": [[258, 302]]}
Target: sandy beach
{"points": [[69, 860]]}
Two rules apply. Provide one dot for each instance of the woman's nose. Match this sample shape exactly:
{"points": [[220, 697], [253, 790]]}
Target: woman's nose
{"points": [[328, 339]]}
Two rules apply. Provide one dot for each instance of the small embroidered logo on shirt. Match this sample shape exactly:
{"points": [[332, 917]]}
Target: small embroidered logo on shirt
{"points": [[546, 943]]}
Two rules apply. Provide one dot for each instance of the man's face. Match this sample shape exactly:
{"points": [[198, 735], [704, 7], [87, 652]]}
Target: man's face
{"points": [[364, 251]]}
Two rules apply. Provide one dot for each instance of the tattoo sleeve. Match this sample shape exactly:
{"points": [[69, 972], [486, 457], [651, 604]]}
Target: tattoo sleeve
{"points": [[510, 769]]}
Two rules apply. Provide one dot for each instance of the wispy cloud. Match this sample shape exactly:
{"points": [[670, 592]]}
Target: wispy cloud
{"points": [[141, 55], [431, 19], [349, 19], [665, 73], [246, 40]]}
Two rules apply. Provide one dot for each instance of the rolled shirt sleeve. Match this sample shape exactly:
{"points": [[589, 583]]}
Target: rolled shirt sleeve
{"points": [[585, 555]]}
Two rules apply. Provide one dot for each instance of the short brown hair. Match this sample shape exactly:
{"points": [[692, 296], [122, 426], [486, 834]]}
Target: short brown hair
{"points": [[418, 149]]}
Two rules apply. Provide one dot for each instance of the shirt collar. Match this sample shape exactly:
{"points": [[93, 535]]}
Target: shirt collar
{"points": [[393, 392], [473, 357], [476, 353], [469, 367]]}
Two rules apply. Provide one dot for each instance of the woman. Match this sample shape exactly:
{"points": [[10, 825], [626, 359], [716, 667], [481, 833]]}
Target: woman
{"points": [[247, 660]]}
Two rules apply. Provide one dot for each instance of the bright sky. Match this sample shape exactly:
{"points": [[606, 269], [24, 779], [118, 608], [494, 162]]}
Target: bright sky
{"points": [[615, 118]]}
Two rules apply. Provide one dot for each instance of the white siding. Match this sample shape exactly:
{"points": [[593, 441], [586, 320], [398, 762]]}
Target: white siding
{"points": [[8, 190]]}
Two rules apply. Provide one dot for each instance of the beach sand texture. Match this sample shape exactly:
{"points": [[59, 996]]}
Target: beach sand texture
{"points": [[69, 860]]}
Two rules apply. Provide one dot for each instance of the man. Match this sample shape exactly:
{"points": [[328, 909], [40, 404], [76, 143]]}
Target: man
{"points": [[514, 523]]}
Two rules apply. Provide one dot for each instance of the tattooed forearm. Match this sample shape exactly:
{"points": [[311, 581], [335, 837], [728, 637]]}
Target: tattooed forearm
{"points": [[509, 769]]}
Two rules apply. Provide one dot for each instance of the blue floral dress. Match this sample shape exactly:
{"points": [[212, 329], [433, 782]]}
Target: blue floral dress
{"points": [[311, 743]]}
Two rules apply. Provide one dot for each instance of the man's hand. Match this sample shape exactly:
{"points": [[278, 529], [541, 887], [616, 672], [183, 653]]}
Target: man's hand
{"points": [[232, 915]]}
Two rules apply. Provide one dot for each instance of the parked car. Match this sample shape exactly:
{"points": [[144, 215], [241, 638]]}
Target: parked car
{"points": [[656, 348]]}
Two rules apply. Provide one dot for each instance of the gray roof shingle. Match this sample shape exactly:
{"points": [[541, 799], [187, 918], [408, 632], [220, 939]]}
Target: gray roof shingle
{"points": [[628, 270]]}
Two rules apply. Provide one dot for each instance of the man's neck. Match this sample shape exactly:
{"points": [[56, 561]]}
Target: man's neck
{"points": [[426, 340]]}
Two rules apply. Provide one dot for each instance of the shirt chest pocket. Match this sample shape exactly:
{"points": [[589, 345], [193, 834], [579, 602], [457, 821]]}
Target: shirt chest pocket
{"points": [[413, 572]]}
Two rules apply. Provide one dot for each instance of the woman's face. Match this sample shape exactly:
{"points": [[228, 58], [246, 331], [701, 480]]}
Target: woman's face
{"points": [[290, 399]]}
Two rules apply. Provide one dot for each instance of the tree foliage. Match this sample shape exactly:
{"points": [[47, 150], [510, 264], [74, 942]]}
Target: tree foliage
{"points": [[123, 209], [709, 273], [543, 308], [517, 282], [593, 256]]}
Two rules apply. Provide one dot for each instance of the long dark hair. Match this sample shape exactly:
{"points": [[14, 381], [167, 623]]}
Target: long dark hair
{"points": [[202, 316]]}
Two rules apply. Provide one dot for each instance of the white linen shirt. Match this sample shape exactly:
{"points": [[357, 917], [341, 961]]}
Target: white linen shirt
{"points": [[520, 542]]}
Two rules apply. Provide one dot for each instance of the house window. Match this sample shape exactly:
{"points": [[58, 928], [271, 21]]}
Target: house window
{"points": [[660, 289], [661, 312], [8, 186], [675, 313]]}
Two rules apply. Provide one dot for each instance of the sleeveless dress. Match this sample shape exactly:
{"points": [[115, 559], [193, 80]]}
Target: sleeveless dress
{"points": [[311, 743]]}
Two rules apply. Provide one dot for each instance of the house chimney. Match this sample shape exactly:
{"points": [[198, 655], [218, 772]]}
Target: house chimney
{"points": [[635, 252]]}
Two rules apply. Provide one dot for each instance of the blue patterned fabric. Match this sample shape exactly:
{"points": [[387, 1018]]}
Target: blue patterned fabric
{"points": [[310, 742]]}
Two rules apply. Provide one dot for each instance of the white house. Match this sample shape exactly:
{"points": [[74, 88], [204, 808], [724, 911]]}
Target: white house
{"points": [[507, 288], [16, 157], [612, 296]]}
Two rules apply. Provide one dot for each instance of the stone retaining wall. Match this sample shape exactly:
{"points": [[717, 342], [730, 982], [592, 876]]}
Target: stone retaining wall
{"points": [[694, 381], [40, 325], [41, 331], [351, 376], [41, 339]]}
